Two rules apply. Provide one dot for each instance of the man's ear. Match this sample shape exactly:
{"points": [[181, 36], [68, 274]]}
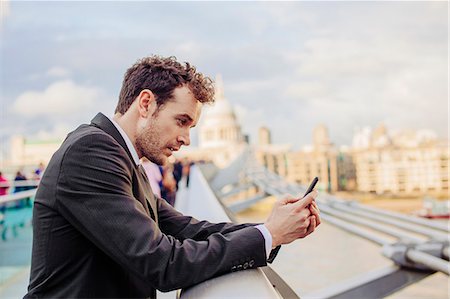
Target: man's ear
{"points": [[146, 103]]}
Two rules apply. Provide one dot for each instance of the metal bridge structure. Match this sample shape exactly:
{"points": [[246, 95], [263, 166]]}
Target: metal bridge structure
{"points": [[416, 247]]}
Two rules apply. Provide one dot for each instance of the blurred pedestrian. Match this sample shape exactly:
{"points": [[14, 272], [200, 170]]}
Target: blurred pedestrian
{"points": [[187, 170], [177, 172], [3, 185], [3, 191], [18, 187], [39, 171], [154, 176], [169, 189]]}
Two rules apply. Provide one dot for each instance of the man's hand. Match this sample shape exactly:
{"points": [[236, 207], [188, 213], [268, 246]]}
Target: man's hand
{"points": [[293, 218]]}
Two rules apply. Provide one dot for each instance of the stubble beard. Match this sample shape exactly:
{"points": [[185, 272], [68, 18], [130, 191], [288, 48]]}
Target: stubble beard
{"points": [[148, 145]]}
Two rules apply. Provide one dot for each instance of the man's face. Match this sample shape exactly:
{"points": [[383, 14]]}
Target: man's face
{"points": [[168, 129]]}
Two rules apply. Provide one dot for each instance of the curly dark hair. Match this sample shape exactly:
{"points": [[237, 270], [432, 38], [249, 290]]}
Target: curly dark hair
{"points": [[162, 75]]}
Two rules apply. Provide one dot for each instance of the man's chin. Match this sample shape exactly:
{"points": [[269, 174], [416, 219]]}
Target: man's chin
{"points": [[161, 160]]}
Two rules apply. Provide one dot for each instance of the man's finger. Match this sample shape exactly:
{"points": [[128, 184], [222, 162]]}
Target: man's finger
{"points": [[314, 208], [305, 213], [287, 198], [312, 226], [305, 201], [315, 211], [290, 200]]}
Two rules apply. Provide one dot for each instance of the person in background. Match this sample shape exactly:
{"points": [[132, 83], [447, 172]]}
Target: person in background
{"points": [[154, 176], [3, 185], [169, 189], [39, 172], [177, 171], [187, 170], [19, 177], [3, 191]]}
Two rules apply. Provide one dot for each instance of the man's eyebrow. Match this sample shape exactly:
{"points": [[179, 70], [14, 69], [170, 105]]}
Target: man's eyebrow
{"points": [[187, 116], [189, 119]]}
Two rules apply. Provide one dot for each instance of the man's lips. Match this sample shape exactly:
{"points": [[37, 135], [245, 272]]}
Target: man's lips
{"points": [[171, 149]]}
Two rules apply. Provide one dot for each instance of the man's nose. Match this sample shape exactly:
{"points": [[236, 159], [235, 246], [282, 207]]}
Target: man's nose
{"points": [[184, 139]]}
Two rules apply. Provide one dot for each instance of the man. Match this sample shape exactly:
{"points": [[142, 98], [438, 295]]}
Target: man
{"points": [[98, 229]]}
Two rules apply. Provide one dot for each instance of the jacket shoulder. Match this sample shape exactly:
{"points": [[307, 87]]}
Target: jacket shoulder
{"points": [[84, 138], [87, 131]]}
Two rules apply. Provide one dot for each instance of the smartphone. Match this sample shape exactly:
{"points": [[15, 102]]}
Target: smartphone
{"points": [[311, 186]]}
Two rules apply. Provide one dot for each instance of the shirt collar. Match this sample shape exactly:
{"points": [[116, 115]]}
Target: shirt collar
{"points": [[127, 141]]}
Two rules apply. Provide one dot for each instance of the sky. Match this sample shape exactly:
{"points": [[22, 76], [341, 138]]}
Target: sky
{"points": [[289, 66]]}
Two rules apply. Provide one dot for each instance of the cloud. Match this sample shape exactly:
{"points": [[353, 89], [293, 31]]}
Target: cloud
{"points": [[57, 71], [249, 86], [307, 89], [58, 131], [289, 65], [59, 100], [51, 73]]}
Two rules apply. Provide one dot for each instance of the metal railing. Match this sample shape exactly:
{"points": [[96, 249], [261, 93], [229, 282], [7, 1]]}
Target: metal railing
{"points": [[200, 201], [15, 212], [420, 246], [24, 183], [17, 196]]}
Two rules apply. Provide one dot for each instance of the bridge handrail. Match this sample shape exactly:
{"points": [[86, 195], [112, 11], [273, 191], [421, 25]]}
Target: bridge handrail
{"points": [[24, 183], [242, 284], [407, 218], [17, 196], [429, 232]]}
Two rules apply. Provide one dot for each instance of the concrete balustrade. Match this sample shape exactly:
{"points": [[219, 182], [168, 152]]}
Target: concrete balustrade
{"points": [[199, 201]]}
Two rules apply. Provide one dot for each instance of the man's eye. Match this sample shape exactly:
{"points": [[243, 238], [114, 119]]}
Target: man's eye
{"points": [[181, 122]]}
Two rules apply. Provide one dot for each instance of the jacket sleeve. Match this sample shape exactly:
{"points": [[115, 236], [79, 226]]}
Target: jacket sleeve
{"points": [[94, 194], [182, 227]]}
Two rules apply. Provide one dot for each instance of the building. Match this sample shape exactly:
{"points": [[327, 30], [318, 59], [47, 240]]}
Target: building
{"points": [[26, 151], [264, 136], [404, 163], [220, 127], [220, 135], [274, 157], [346, 172], [318, 160]]}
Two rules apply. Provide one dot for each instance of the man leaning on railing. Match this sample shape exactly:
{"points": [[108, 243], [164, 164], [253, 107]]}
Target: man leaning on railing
{"points": [[98, 230]]}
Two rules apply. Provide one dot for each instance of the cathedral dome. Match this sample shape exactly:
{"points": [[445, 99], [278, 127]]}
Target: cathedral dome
{"points": [[221, 111], [219, 126]]}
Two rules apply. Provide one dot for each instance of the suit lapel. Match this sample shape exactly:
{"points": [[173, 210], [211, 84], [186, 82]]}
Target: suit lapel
{"points": [[150, 197], [102, 122]]}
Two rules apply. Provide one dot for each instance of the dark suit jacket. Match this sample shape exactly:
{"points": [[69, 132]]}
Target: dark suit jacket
{"points": [[100, 232]]}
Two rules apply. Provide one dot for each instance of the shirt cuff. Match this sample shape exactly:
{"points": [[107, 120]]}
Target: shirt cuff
{"points": [[267, 237]]}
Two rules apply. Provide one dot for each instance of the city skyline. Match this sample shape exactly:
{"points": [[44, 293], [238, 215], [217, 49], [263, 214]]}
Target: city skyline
{"points": [[287, 66]]}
